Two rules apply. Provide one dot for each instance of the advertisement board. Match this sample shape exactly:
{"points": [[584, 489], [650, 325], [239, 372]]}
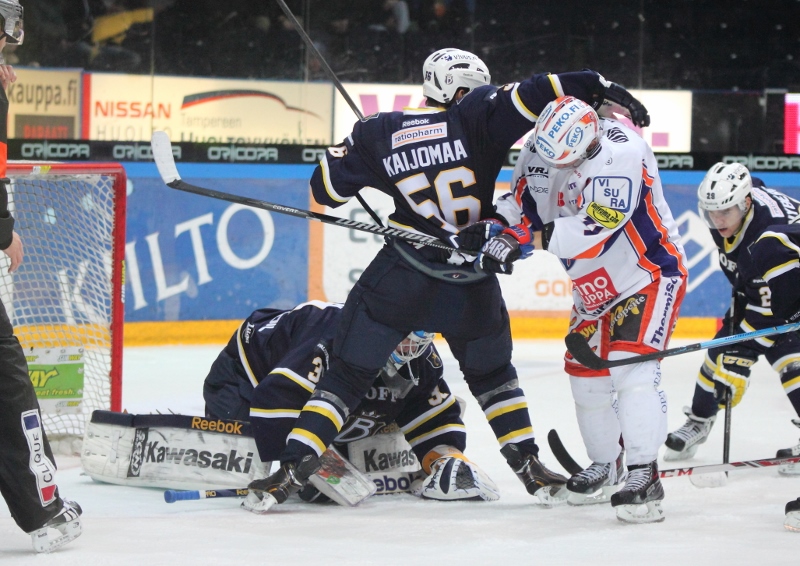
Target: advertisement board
{"points": [[670, 111], [190, 257], [791, 124], [44, 104], [130, 107]]}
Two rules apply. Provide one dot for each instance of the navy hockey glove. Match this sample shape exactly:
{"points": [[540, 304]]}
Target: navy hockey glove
{"points": [[619, 95], [473, 237], [499, 254]]}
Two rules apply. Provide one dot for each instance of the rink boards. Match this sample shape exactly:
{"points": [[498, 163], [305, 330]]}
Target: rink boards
{"points": [[196, 265]]}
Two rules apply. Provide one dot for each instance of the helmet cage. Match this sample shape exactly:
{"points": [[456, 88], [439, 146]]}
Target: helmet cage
{"points": [[11, 18], [411, 347]]}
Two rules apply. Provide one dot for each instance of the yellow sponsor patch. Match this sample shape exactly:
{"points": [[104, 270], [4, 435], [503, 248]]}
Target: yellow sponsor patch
{"points": [[607, 217]]}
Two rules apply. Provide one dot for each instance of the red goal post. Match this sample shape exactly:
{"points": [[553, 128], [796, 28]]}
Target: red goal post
{"points": [[66, 299]]}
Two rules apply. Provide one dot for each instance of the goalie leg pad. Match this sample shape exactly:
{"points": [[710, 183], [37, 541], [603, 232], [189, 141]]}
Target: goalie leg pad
{"points": [[456, 478]]}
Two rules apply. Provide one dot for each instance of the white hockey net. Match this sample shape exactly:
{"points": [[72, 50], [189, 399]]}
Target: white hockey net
{"points": [[67, 294]]}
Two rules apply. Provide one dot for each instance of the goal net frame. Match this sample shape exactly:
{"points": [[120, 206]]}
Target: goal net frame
{"points": [[84, 178]]}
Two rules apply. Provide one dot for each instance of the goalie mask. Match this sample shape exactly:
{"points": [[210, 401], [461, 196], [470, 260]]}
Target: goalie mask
{"points": [[567, 132], [411, 347], [447, 70], [11, 20], [721, 196]]}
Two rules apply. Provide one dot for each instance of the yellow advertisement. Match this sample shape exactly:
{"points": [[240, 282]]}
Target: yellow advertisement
{"points": [[44, 104], [190, 109]]}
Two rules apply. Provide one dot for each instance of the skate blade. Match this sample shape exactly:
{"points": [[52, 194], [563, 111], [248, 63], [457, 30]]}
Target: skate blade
{"points": [[602, 495], [792, 522], [552, 496], [789, 470], [671, 455], [649, 512], [44, 541], [718, 479], [258, 506]]}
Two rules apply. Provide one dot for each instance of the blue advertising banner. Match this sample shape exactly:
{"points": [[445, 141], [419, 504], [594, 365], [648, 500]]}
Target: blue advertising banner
{"points": [[190, 257]]}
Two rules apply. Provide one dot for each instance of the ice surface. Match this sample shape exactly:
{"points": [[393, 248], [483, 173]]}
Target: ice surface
{"points": [[740, 523]]}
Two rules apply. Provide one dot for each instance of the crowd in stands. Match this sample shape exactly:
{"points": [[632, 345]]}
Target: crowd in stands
{"points": [[681, 44]]}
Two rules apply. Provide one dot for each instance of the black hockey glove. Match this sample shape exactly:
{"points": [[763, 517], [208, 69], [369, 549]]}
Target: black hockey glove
{"points": [[473, 237], [547, 233], [619, 95]]}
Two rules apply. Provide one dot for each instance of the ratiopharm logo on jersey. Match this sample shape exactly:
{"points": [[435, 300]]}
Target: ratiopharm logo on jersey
{"points": [[596, 289], [39, 464], [419, 134]]}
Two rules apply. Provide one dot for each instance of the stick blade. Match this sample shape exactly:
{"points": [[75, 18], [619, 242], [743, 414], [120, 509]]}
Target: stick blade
{"points": [[716, 479], [582, 352], [162, 155]]}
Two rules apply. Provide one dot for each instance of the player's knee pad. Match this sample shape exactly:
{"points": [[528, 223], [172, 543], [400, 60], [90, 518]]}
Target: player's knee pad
{"points": [[591, 393], [644, 376]]}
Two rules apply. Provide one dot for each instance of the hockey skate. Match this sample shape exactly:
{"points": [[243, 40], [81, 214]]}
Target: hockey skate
{"points": [[683, 443], [290, 478], [549, 487], [792, 522], [639, 501], [59, 530], [596, 483], [789, 469]]}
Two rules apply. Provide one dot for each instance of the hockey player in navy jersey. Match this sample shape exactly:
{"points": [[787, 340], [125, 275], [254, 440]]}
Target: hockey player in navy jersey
{"points": [[776, 258], [440, 165], [738, 209], [272, 365]]}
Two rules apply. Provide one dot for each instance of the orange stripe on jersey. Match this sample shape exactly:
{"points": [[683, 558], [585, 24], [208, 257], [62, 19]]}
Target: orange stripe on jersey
{"points": [[671, 249], [594, 251], [3, 160], [522, 184], [647, 178], [638, 244]]}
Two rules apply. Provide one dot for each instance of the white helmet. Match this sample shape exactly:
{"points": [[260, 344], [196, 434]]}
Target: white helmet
{"points": [[726, 185], [11, 20], [567, 131], [411, 347], [448, 70]]}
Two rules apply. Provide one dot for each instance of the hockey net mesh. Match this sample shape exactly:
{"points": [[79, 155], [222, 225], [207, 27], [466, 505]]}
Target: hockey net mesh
{"points": [[63, 293]]}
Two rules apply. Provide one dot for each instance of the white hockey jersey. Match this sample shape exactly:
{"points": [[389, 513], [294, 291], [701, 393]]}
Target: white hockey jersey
{"points": [[614, 231]]}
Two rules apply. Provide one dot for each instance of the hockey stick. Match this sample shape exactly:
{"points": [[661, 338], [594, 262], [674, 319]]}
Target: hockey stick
{"points": [[561, 454], [162, 154], [569, 464], [583, 353], [172, 495], [729, 467], [337, 83]]}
